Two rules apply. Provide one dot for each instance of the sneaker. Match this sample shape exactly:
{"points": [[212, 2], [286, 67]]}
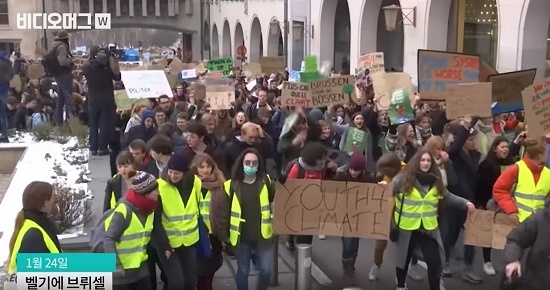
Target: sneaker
{"points": [[402, 288], [415, 272], [446, 270], [469, 276], [489, 269], [373, 273], [321, 237]]}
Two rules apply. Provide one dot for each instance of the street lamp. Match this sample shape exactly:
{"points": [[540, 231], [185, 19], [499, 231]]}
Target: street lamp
{"points": [[391, 12]]}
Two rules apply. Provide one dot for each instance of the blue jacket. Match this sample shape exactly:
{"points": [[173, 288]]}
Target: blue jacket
{"points": [[4, 87]]}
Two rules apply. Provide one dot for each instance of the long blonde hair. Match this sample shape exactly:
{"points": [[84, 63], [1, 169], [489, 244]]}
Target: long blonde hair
{"points": [[201, 158], [34, 196]]}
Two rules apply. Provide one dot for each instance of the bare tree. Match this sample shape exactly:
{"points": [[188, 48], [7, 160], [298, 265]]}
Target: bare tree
{"points": [[72, 209]]}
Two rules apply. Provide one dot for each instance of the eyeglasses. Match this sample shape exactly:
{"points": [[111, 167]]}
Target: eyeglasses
{"points": [[250, 162]]}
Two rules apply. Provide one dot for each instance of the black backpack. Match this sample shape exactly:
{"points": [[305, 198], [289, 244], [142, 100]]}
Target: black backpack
{"points": [[51, 63], [301, 171], [6, 70]]}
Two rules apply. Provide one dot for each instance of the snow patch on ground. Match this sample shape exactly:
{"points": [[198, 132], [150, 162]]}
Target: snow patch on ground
{"points": [[43, 161]]}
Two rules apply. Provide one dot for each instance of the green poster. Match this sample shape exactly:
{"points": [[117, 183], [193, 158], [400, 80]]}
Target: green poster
{"points": [[400, 110], [356, 140], [224, 65]]}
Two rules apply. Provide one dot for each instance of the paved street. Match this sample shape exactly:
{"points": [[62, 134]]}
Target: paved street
{"points": [[327, 270]]}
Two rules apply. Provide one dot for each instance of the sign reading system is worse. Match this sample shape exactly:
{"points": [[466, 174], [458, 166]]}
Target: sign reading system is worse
{"points": [[333, 91], [536, 102], [295, 94], [438, 69], [335, 208]]}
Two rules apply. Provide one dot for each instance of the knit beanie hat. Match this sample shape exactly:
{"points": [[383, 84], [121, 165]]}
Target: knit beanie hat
{"points": [[357, 162], [144, 183], [178, 163]]}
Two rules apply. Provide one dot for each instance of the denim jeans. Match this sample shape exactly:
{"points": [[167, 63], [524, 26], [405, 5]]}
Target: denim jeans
{"points": [[3, 116], [99, 121], [350, 248], [264, 257], [64, 97]]}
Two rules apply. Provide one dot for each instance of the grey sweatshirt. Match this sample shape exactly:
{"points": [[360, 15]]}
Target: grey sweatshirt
{"points": [[116, 228]]}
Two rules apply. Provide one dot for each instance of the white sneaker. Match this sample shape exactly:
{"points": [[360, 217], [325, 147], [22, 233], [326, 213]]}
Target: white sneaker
{"points": [[321, 237], [402, 288], [489, 269], [373, 273], [415, 272]]}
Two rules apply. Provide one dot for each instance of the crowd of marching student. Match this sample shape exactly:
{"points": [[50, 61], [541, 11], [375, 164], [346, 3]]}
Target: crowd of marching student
{"points": [[189, 183]]}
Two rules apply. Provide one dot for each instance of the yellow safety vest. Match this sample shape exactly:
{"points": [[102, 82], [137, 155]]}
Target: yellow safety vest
{"points": [[528, 196], [204, 205], [131, 249], [417, 211], [27, 225], [113, 199], [236, 220], [180, 221]]}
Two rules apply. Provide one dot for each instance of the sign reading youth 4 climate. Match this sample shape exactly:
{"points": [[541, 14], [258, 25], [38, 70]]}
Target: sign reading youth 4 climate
{"points": [[536, 103], [438, 69], [335, 208], [333, 91], [66, 271]]}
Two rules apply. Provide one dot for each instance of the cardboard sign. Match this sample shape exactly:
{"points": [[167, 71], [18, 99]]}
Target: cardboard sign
{"points": [[372, 61], [272, 64], [334, 208], [333, 91], [252, 69], [484, 228], [385, 84], [224, 65], [35, 71], [536, 103], [507, 87], [16, 83], [469, 99], [141, 84], [123, 103], [295, 94], [438, 69], [199, 91], [485, 70], [220, 97]]}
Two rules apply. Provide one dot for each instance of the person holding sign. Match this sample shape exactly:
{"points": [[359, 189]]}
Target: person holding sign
{"points": [[523, 188], [418, 191]]}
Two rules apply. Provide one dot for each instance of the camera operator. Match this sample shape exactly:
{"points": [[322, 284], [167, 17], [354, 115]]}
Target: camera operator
{"points": [[100, 72]]}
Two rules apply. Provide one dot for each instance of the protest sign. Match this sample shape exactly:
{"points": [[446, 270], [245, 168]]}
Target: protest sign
{"points": [[16, 83], [35, 71], [224, 65], [198, 91], [252, 69], [295, 94], [356, 140], [536, 103], [484, 228], [401, 109], [220, 97], [272, 64], [507, 87], [438, 69], [469, 99], [385, 84], [333, 91], [485, 70], [334, 208], [146, 84], [123, 103], [372, 61], [363, 86]]}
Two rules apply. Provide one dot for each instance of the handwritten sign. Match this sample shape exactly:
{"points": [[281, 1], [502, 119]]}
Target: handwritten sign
{"points": [[484, 228], [507, 87], [35, 71], [141, 84], [224, 65], [485, 70], [438, 69], [335, 208], [272, 64], [536, 103], [295, 94], [372, 61], [252, 69], [220, 97], [469, 99], [385, 84], [333, 91]]}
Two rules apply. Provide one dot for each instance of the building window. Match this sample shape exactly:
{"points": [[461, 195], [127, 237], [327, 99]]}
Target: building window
{"points": [[8, 47], [4, 18], [474, 23]]}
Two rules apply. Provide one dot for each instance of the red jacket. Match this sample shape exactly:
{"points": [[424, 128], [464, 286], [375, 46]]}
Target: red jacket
{"points": [[294, 173], [505, 184]]}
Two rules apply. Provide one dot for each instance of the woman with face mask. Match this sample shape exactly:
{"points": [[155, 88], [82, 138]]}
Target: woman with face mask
{"points": [[418, 192], [251, 193]]}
